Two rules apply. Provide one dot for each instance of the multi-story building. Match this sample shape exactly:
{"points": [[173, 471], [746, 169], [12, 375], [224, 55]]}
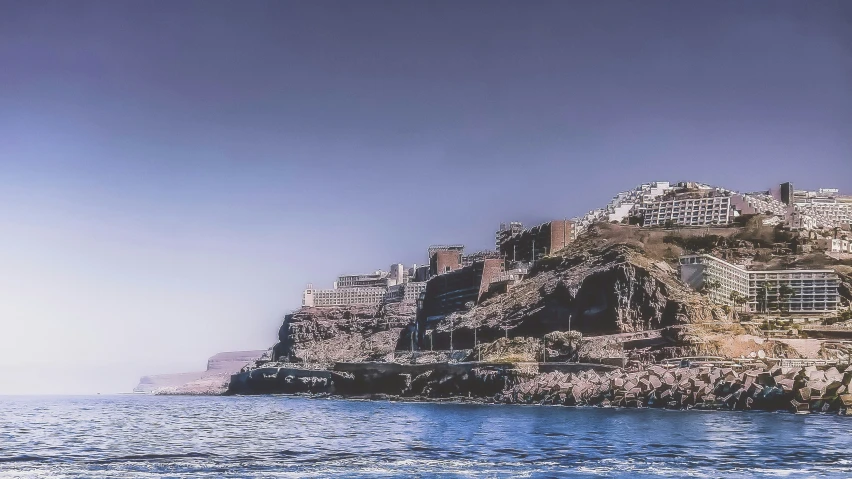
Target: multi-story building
{"points": [[453, 291], [823, 208], [506, 231], [378, 279], [538, 241], [627, 203], [834, 245], [469, 259], [698, 209], [444, 259], [397, 275], [405, 293], [358, 289], [794, 291], [830, 213], [349, 296]]}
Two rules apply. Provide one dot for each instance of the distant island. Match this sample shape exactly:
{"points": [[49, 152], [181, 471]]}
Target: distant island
{"points": [[673, 295]]}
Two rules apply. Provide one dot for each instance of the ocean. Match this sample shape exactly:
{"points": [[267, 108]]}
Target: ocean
{"points": [[273, 436]]}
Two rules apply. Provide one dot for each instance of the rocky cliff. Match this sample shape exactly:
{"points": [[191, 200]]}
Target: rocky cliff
{"points": [[342, 334], [213, 380]]}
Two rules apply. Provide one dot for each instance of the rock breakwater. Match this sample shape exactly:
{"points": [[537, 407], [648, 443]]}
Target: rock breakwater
{"points": [[769, 388]]}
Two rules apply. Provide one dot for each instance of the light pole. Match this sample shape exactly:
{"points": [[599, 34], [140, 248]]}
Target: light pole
{"points": [[451, 334], [474, 338]]}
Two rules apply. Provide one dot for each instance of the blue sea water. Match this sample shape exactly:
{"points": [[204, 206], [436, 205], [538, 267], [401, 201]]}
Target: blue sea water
{"points": [[274, 436]]}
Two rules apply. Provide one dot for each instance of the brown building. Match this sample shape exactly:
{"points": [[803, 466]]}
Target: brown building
{"points": [[450, 292], [445, 259], [537, 241]]}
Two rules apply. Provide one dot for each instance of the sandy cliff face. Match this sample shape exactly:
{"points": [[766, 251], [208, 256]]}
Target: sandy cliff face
{"points": [[351, 333], [604, 289]]}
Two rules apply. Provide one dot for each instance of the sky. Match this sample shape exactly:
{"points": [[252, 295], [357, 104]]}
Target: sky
{"points": [[172, 174]]}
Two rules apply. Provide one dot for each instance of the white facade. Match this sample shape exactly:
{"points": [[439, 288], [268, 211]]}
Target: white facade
{"points": [[397, 275], [377, 279], [827, 207], [811, 291], [829, 214], [833, 245], [706, 211], [623, 205], [406, 293], [352, 296]]}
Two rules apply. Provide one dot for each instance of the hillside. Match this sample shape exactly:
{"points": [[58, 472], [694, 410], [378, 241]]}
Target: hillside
{"points": [[602, 284]]}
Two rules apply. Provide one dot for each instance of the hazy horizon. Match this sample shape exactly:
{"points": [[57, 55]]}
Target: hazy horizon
{"points": [[172, 174]]}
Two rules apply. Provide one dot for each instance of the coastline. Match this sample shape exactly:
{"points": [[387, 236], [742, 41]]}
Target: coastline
{"points": [[702, 387]]}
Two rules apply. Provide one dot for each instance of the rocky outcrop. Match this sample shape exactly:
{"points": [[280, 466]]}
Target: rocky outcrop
{"points": [[482, 381], [341, 334], [596, 289]]}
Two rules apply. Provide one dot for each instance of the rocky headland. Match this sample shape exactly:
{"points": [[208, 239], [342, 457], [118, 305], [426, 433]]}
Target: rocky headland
{"points": [[213, 380], [606, 321]]}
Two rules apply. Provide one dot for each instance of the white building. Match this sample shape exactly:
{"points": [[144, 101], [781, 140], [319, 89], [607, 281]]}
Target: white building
{"points": [[350, 296], [405, 293], [378, 279], [714, 209], [795, 291], [826, 206], [397, 275], [830, 214], [359, 289], [832, 245]]}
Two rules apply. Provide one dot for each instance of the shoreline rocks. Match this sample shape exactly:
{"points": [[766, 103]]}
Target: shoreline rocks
{"points": [[768, 388], [704, 387]]}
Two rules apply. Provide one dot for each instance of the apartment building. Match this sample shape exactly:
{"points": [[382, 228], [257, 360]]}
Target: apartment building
{"points": [[698, 210], [830, 213], [349, 296], [823, 208], [405, 293], [794, 291], [834, 245], [378, 279]]}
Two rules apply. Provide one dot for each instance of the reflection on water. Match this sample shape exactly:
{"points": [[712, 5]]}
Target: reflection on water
{"points": [[254, 437]]}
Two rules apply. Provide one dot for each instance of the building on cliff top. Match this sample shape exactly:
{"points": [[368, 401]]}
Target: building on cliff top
{"points": [[454, 291], [362, 289], [794, 291], [529, 245], [405, 293], [506, 231], [444, 259]]}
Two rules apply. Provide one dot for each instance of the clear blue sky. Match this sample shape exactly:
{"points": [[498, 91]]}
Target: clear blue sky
{"points": [[173, 173]]}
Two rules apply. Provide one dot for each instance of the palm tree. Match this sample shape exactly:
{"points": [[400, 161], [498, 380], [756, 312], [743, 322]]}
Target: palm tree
{"points": [[737, 298], [785, 292], [763, 293]]}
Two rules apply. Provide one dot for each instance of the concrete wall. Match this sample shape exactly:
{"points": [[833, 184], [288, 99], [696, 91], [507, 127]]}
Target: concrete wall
{"points": [[450, 292]]}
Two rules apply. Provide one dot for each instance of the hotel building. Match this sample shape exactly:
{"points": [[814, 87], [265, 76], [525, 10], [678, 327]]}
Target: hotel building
{"points": [[714, 209], [812, 291]]}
